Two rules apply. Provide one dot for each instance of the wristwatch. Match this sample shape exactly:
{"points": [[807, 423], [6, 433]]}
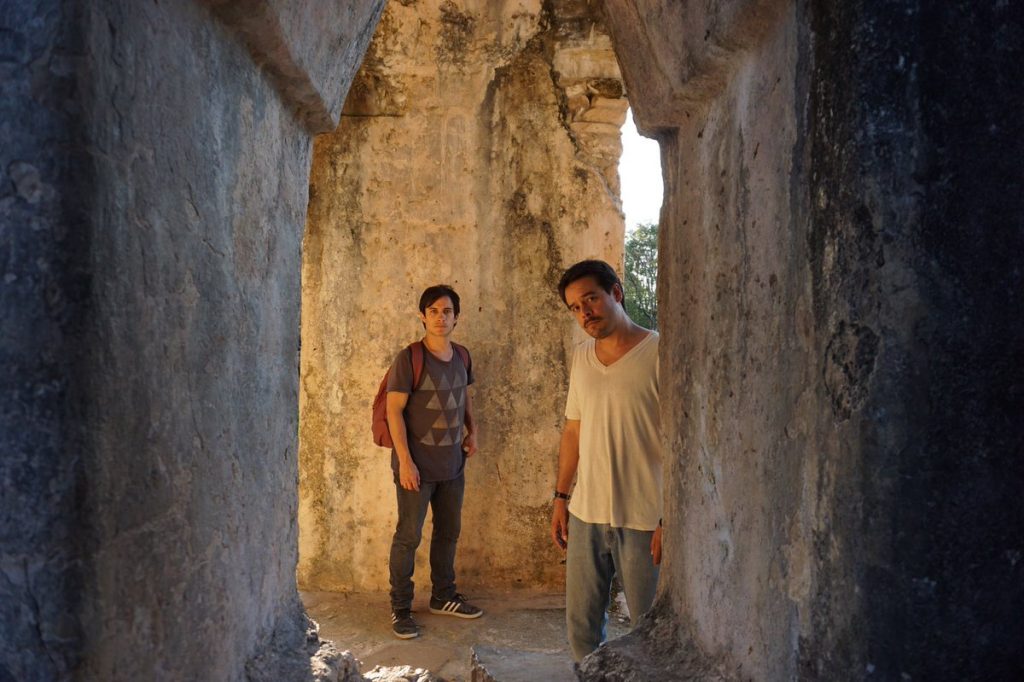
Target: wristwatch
{"points": [[560, 496]]}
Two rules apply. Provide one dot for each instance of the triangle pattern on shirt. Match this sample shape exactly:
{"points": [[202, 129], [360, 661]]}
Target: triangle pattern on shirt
{"points": [[434, 403], [426, 383], [447, 440], [445, 383], [443, 421], [428, 438], [452, 404]]}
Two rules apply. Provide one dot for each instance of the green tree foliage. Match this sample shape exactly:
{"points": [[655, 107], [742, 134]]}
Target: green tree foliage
{"points": [[641, 275]]}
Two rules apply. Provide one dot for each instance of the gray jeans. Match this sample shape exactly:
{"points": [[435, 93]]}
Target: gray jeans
{"points": [[596, 552], [445, 500]]}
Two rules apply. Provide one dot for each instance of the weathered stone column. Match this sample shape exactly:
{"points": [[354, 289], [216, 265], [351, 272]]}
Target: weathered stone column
{"points": [[155, 165], [838, 290], [479, 147]]}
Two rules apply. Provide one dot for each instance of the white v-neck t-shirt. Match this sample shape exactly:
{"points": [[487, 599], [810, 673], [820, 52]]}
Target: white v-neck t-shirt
{"points": [[618, 480]]}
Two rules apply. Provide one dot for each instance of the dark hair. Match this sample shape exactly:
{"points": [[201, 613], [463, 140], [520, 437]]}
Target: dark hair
{"points": [[431, 294], [598, 269]]}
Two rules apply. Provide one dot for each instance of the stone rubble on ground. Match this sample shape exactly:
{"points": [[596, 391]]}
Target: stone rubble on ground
{"points": [[404, 673]]}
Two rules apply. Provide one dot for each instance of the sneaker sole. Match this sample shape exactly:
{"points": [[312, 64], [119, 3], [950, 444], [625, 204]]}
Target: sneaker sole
{"points": [[410, 635], [441, 612]]}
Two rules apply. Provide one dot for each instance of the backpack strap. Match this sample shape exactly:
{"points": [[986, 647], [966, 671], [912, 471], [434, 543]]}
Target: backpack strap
{"points": [[416, 353], [464, 354]]}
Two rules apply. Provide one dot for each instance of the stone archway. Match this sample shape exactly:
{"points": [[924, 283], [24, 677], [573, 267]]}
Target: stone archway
{"points": [[478, 147]]}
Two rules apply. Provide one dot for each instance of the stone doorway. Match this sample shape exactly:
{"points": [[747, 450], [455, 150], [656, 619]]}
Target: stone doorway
{"points": [[476, 148], [479, 147]]}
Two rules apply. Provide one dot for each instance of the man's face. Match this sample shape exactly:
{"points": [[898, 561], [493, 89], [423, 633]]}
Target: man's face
{"points": [[439, 318], [596, 310]]}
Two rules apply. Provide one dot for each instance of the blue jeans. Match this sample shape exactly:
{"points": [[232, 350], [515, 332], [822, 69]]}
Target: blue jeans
{"points": [[445, 500], [596, 552]]}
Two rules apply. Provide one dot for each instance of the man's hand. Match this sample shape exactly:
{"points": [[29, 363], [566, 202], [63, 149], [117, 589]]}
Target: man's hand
{"points": [[409, 476], [560, 522], [469, 444], [656, 545]]}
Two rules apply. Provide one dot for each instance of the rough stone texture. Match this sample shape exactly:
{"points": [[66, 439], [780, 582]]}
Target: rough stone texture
{"points": [[838, 274], [153, 198], [478, 147], [43, 294], [285, 658], [512, 665], [660, 648]]}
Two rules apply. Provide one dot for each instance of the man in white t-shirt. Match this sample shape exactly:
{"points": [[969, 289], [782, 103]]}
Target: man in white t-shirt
{"points": [[611, 446]]}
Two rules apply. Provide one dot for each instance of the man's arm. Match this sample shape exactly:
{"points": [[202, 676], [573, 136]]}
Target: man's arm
{"points": [[408, 474], [469, 442], [568, 461]]}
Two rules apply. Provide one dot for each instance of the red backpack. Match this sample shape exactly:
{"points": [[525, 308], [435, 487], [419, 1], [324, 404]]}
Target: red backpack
{"points": [[379, 425]]}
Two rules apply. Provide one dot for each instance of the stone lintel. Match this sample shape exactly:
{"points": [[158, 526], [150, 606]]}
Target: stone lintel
{"points": [[706, 41], [277, 36]]}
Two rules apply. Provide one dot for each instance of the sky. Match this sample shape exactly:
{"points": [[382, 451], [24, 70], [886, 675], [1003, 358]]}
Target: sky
{"points": [[640, 176]]}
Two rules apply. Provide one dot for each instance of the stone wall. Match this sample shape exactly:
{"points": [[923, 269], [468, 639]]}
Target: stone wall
{"points": [[478, 147], [839, 238], [43, 297], [155, 171]]}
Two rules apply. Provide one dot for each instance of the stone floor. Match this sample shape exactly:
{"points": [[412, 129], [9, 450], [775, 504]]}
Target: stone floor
{"points": [[527, 622]]}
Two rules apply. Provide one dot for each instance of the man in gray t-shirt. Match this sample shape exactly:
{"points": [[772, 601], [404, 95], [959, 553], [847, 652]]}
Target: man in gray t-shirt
{"points": [[434, 414], [431, 424]]}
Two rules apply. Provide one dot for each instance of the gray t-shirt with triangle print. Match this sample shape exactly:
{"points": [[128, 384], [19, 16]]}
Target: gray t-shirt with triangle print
{"points": [[435, 414]]}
